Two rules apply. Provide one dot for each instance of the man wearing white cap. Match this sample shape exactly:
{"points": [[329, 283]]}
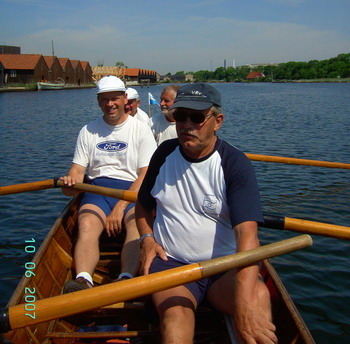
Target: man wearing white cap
{"points": [[133, 105], [114, 150]]}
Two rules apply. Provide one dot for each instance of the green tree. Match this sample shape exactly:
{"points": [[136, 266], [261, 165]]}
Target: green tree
{"points": [[120, 64], [220, 74], [203, 75]]}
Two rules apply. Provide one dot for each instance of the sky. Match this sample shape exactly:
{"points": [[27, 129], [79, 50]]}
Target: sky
{"points": [[178, 35]]}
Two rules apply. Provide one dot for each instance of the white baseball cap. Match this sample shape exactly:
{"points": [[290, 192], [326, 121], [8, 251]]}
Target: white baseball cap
{"points": [[132, 93], [110, 83]]}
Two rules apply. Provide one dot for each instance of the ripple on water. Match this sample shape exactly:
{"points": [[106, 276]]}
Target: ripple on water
{"points": [[312, 121]]}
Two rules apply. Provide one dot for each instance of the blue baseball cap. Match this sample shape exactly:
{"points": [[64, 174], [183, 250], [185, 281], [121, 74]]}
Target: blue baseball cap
{"points": [[197, 96]]}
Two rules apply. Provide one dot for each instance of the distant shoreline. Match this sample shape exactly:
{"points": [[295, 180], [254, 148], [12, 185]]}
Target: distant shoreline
{"points": [[31, 89], [69, 87]]}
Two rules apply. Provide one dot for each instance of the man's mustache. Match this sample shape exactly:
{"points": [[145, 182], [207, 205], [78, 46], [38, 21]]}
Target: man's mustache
{"points": [[187, 131]]}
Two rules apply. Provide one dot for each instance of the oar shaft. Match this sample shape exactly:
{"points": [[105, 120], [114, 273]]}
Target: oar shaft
{"points": [[88, 299], [125, 195], [271, 221], [305, 226], [218, 265], [26, 187], [297, 161]]}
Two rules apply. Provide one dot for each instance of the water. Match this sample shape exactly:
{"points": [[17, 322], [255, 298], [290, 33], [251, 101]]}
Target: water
{"points": [[38, 134]]}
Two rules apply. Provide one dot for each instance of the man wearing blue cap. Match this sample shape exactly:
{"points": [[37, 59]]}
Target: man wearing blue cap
{"points": [[114, 150], [206, 200]]}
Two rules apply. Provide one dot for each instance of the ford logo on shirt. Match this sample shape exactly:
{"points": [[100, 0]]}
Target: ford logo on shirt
{"points": [[111, 146]]}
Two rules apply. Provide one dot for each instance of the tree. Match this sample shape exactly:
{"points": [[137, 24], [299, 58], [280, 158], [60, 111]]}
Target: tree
{"points": [[120, 64]]}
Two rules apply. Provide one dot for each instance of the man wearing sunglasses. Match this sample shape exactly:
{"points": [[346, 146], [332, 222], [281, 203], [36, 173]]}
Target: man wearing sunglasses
{"points": [[206, 200]]}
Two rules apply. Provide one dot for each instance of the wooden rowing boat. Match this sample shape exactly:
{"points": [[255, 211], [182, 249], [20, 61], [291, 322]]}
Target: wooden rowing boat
{"points": [[54, 85], [125, 322]]}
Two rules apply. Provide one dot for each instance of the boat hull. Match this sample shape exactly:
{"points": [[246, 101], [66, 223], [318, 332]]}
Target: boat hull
{"points": [[125, 321], [49, 86]]}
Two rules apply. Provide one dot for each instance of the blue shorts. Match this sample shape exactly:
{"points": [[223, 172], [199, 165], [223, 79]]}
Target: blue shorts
{"points": [[104, 202], [198, 289]]}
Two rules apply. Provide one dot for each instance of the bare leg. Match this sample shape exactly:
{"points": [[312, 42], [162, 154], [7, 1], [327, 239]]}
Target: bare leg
{"points": [[221, 295], [87, 252], [176, 309], [259, 327], [130, 254]]}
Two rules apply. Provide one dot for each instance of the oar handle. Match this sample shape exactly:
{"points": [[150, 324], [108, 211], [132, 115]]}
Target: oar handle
{"points": [[297, 161], [81, 301], [125, 195]]}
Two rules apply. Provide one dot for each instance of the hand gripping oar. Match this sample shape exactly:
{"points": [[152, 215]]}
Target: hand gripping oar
{"points": [[297, 161], [81, 301]]}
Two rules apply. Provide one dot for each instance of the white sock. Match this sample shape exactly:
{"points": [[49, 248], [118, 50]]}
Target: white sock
{"points": [[85, 275], [125, 274]]}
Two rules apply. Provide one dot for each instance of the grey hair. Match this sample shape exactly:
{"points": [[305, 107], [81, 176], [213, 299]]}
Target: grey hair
{"points": [[169, 88], [216, 110]]}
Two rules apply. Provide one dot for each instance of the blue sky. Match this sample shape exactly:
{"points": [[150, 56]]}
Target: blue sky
{"points": [[169, 36]]}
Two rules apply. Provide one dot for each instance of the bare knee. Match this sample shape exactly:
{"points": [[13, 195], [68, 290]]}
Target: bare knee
{"points": [[177, 324], [90, 227]]}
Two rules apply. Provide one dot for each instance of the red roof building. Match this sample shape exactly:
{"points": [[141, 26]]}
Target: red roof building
{"points": [[68, 70], [139, 75], [55, 68], [78, 72], [22, 68], [255, 75], [87, 72]]}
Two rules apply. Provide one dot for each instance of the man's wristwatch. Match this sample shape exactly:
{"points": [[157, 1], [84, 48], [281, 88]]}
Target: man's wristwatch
{"points": [[144, 236]]}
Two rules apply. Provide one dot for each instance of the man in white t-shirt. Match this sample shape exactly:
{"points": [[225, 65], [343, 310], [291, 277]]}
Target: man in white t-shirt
{"points": [[133, 106], [163, 125], [114, 150]]}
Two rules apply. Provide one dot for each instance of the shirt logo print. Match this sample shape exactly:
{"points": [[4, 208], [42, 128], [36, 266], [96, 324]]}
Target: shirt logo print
{"points": [[209, 204]]}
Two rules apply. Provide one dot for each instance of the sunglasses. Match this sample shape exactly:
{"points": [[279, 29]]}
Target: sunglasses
{"points": [[196, 118]]}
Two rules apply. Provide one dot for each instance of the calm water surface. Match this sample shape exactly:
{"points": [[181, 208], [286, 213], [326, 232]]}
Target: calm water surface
{"points": [[38, 134]]}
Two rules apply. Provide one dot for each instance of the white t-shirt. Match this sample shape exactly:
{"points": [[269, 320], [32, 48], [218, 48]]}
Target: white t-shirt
{"points": [[114, 151], [142, 116], [199, 201], [162, 129]]}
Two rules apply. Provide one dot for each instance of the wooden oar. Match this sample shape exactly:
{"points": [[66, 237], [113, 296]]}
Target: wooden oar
{"points": [[125, 195], [271, 221], [26, 187], [306, 226], [297, 161], [92, 298]]}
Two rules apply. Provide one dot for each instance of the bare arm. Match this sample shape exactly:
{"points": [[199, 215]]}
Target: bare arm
{"points": [[149, 247], [253, 311], [75, 175]]}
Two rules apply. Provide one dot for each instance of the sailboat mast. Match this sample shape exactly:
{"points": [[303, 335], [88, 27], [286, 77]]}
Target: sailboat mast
{"points": [[53, 52]]}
